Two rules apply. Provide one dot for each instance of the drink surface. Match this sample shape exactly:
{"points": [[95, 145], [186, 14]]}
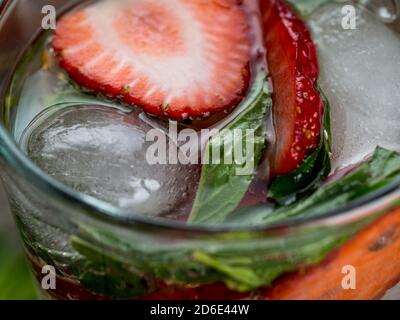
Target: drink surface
{"points": [[116, 136]]}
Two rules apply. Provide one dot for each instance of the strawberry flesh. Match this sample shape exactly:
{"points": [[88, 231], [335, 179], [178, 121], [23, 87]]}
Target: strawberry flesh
{"points": [[173, 58], [293, 67]]}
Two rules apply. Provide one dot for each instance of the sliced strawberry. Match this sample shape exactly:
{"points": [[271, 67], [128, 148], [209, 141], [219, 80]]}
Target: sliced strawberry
{"points": [[293, 66], [173, 58]]}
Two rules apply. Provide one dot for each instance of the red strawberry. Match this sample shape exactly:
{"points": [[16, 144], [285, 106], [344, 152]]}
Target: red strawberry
{"points": [[293, 66], [173, 58]]}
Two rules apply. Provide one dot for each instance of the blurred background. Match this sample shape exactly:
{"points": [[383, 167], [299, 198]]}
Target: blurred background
{"points": [[15, 280]]}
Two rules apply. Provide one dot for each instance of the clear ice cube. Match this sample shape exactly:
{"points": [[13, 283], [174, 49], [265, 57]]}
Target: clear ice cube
{"points": [[101, 152], [360, 74]]}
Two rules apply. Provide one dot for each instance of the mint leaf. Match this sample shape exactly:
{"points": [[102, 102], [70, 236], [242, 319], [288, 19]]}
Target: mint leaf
{"points": [[221, 188], [105, 275], [239, 276], [155, 259], [380, 171], [243, 261]]}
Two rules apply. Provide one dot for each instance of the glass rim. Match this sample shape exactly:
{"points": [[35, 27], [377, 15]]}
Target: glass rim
{"points": [[15, 158]]}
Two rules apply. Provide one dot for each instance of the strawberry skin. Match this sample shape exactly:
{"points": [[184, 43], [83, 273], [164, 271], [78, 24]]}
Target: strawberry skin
{"points": [[293, 67], [173, 58]]}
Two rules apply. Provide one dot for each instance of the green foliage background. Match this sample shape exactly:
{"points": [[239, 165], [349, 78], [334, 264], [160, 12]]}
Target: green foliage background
{"points": [[16, 282]]}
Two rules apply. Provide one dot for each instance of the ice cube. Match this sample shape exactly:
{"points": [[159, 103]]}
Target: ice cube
{"points": [[101, 152], [360, 74]]}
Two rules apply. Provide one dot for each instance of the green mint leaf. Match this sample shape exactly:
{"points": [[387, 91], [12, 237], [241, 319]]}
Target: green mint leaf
{"points": [[380, 171], [244, 261], [222, 186], [105, 274]]}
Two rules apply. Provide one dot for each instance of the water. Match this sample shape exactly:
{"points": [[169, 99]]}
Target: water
{"points": [[93, 145], [100, 150], [35, 89], [360, 74]]}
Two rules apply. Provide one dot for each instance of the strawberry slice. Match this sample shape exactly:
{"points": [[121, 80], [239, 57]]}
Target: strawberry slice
{"points": [[293, 66], [173, 58]]}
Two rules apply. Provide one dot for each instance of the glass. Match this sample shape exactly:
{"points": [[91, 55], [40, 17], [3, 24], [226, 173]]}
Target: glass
{"points": [[387, 10], [54, 220]]}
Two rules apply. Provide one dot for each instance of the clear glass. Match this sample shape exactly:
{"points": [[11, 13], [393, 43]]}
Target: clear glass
{"points": [[55, 220], [387, 10]]}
